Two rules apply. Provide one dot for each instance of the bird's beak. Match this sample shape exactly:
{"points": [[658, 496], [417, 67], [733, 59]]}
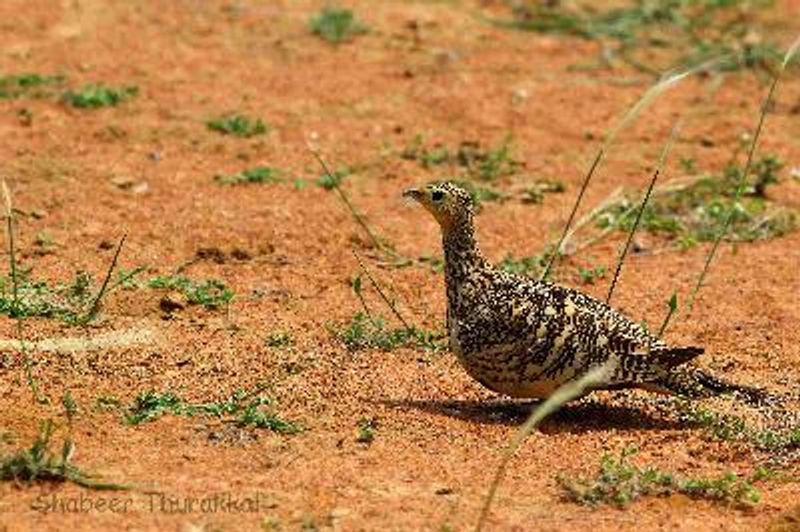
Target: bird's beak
{"points": [[413, 193]]}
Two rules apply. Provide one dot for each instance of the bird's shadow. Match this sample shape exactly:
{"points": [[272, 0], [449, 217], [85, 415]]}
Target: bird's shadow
{"points": [[586, 415]]}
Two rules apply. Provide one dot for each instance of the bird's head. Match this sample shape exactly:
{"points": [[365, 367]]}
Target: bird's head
{"points": [[448, 203]]}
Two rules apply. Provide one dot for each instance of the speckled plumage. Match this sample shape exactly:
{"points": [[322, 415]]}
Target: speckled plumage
{"points": [[525, 338]]}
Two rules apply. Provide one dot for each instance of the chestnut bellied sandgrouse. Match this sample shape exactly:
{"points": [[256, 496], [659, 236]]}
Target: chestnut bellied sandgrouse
{"points": [[525, 338]]}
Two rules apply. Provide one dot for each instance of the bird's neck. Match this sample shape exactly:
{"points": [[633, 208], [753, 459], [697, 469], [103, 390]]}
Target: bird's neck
{"points": [[461, 253]]}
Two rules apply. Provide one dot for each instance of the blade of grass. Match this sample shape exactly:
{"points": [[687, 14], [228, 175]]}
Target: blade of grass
{"points": [[745, 174], [356, 285], [673, 302], [665, 83], [377, 286], [561, 396], [557, 250], [356, 216], [11, 248], [673, 307], [611, 199], [17, 315], [661, 160], [92, 312]]}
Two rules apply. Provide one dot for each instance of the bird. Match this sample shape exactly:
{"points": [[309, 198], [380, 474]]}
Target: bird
{"points": [[525, 337]]}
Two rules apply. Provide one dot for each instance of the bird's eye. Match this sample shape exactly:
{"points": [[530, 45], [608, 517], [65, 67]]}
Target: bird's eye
{"points": [[437, 195]]}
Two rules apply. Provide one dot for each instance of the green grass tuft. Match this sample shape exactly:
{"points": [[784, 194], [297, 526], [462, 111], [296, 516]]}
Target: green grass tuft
{"points": [[27, 85], [334, 179], [475, 162], [673, 32], [365, 332], [150, 405], [248, 409], [66, 302], [257, 175], [488, 165], [336, 25], [257, 414], [237, 125], [531, 266], [39, 464], [210, 293], [94, 96], [590, 275], [367, 428], [728, 427]]}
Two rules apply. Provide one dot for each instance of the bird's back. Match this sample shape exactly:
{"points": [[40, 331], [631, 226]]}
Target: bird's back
{"points": [[525, 337]]}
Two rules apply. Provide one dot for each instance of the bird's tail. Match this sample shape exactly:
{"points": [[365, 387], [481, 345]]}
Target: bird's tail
{"points": [[670, 357], [696, 383]]}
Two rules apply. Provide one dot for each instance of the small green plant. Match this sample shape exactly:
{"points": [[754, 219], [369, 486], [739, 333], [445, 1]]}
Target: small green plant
{"points": [[476, 162], [728, 488], [531, 266], [258, 175], [39, 463], [27, 85], [367, 427], [237, 125], [491, 164], [150, 405], [728, 427], [330, 181], [620, 482], [366, 332], [590, 275], [94, 96], [258, 414], [69, 303], [336, 25], [209, 293], [426, 156], [128, 279], [765, 171], [247, 409]]}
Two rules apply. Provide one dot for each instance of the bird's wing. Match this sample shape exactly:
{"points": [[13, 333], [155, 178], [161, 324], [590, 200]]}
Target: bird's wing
{"points": [[599, 333]]}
